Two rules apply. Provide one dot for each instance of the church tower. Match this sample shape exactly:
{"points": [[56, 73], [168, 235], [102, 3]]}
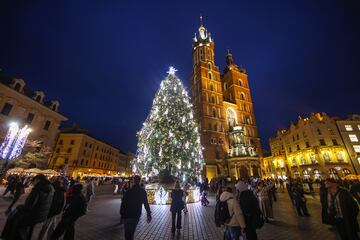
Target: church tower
{"points": [[207, 99], [224, 111]]}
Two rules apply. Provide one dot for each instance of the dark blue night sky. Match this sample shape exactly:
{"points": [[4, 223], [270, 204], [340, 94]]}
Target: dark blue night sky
{"points": [[104, 60]]}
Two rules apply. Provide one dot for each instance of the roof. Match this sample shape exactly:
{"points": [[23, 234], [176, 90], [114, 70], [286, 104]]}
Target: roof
{"points": [[74, 129], [7, 81]]}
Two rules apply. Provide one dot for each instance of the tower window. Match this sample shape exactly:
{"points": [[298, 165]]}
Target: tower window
{"points": [[240, 83], [213, 99], [242, 96], [209, 66], [211, 87], [225, 86], [214, 112], [210, 75]]}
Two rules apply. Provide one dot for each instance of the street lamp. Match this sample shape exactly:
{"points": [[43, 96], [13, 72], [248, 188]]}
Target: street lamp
{"points": [[13, 144]]}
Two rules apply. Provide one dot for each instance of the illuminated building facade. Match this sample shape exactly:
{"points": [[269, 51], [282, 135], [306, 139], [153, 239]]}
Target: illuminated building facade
{"points": [[79, 154], [311, 148], [349, 129], [20, 105], [225, 113]]}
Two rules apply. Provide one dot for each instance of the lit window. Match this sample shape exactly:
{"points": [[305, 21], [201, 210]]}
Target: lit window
{"points": [[353, 138], [348, 128], [359, 127], [357, 148]]}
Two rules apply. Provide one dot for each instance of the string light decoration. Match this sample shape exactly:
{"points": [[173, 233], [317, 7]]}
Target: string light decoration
{"points": [[169, 138], [161, 196], [14, 141]]}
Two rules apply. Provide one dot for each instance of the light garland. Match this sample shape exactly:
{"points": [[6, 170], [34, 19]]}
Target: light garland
{"points": [[14, 141]]}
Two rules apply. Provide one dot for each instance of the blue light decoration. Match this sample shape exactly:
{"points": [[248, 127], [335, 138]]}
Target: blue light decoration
{"points": [[14, 141]]}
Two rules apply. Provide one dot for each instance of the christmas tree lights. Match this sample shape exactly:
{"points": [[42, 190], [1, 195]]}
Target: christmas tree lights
{"points": [[169, 138]]}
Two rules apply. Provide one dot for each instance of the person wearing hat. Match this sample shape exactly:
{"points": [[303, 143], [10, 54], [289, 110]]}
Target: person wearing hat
{"points": [[131, 207], [342, 211]]}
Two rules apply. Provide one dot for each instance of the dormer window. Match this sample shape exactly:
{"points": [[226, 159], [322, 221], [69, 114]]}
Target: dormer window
{"points": [[18, 85], [39, 96], [54, 105]]}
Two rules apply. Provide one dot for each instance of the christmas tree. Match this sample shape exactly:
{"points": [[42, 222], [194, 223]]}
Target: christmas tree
{"points": [[169, 140]]}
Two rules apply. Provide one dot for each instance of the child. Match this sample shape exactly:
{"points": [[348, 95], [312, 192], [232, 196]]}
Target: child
{"points": [[204, 201]]}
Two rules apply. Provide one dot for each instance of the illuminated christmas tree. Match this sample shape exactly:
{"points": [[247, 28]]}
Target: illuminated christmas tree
{"points": [[169, 141]]}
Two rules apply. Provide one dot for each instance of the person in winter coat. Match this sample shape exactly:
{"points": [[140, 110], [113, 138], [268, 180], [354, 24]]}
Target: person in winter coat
{"points": [[299, 199], [116, 185], [236, 225], [250, 208], [177, 205], [56, 208], [19, 190], [342, 211], [89, 191], [131, 207], [262, 194], [76, 208], [35, 210], [10, 185]]}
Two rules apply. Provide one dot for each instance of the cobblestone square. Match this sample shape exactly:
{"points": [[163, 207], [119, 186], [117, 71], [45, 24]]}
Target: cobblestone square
{"points": [[103, 221]]}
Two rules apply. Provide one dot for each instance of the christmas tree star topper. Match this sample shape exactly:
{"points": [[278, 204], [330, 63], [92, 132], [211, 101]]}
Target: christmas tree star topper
{"points": [[172, 70]]}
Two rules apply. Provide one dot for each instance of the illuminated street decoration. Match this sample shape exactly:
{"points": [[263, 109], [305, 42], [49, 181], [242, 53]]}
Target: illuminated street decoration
{"points": [[161, 196], [14, 141]]}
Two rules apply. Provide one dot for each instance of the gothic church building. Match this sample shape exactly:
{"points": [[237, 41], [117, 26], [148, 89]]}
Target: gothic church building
{"points": [[225, 113]]}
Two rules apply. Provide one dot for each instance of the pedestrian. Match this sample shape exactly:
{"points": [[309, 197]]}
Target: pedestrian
{"points": [[89, 191], [186, 187], [131, 207], [56, 208], [251, 210], [19, 190], [262, 193], [177, 205], [11, 184], [300, 200], [116, 185], [76, 208], [342, 211], [20, 225], [236, 224]]}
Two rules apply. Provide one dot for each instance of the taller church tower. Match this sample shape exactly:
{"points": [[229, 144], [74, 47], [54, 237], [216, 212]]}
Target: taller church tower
{"points": [[224, 111]]}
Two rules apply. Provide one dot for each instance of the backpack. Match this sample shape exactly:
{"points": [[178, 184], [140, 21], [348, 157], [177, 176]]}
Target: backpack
{"points": [[222, 215], [259, 219]]}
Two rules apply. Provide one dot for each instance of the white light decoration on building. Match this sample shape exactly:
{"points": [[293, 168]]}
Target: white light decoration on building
{"points": [[14, 141], [161, 196]]}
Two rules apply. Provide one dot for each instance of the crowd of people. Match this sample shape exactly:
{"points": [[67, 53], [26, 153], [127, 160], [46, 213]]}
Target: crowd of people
{"points": [[56, 203], [241, 208]]}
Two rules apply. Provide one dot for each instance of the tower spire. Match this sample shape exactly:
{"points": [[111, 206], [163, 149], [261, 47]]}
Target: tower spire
{"points": [[201, 21]]}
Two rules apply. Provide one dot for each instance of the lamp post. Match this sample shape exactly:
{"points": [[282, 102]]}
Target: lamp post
{"points": [[13, 144]]}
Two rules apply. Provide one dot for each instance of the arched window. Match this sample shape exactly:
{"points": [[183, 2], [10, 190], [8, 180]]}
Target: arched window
{"points": [[231, 117], [38, 98], [201, 55], [210, 75], [240, 83], [214, 112], [17, 87], [211, 87], [209, 65], [242, 96], [213, 99], [225, 86], [215, 127]]}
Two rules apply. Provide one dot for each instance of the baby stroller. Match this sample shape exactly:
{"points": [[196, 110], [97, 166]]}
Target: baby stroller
{"points": [[203, 199]]}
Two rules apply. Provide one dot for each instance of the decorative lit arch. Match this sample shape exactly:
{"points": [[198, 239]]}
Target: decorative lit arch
{"points": [[231, 118]]}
